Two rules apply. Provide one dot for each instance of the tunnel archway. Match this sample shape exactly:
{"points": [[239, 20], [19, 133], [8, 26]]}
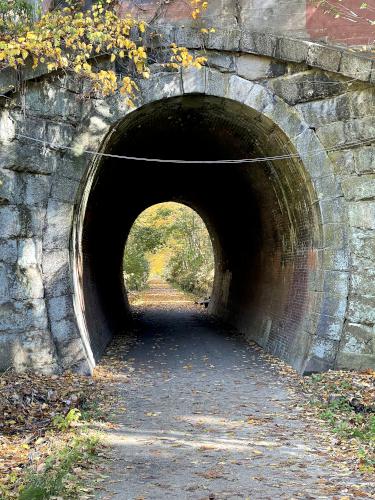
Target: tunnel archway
{"points": [[263, 217]]}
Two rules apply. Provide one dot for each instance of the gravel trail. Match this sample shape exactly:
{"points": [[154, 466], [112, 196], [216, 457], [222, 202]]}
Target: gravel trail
{"points": [[203, 415]]}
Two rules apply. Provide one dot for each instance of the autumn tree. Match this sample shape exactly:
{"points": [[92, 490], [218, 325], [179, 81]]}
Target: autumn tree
{"points": [[71, 39]]}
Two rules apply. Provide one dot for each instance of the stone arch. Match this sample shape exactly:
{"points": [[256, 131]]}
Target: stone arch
{"points": [[71, 186]]}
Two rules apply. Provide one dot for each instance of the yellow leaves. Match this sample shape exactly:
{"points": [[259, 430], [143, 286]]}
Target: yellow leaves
{"points": [[51, 66], [208, 30], [198, 7], [69, 39]]}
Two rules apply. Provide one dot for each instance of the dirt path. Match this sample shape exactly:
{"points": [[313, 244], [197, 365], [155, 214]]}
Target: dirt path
{"points": [[207, 417]]}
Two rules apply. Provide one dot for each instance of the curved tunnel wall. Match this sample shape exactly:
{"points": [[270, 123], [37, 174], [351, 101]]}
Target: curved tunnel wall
{"points": [[263, 218]]}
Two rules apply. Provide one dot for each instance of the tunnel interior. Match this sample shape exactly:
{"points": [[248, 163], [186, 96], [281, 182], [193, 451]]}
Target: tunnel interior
{"points": [[261, 216]]}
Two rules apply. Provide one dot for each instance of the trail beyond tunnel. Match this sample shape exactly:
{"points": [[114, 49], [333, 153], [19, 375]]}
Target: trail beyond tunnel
{"points": [[262, 219]]}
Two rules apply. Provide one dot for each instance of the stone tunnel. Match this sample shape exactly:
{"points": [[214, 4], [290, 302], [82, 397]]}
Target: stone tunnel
{"points": [[293, 224]]}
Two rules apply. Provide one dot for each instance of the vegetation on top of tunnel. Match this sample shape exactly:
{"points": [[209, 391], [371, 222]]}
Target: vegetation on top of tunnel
{"points": [[169, 240], [71, 36]]}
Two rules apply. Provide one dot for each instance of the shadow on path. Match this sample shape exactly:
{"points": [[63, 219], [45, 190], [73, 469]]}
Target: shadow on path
{"points": [[207, 417]]}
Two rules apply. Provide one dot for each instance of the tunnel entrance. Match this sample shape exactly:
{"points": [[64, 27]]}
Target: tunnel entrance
{"points": [[262, 217]]}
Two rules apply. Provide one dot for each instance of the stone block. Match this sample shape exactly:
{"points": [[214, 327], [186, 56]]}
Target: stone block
{"points": [[188, 37], [350, 361], [72, 355], [73, 167], [358, 339], [364, 160], [7, 127], [161, 86], [224, 39], [25, 156], [29, 252], [37, 188], [11, 188], [259, 98], [355, 66], [10, 221], [334, 259], [194, 80], [361, 309], [327, 187], [31, 350], [359, 187], [336, 282], [254, 67], [217, 83], [324, 349], [354, 104], [56, 273], [329, 327], [312, 154], [239, 88], [332, 210], [26, 283], [292, 50], [8, 251], [343, 161], [4, 284], [333, 305], [362, 214], [264, 44], [362, 243], [327, 58], [345, 133], [49, 99], [19, 316], [60, 307], [306, 86], [363, 283], [32, 220], [219, 60], [64, 330], [334, 236], [64, 189], [58, 225], [285, 117]]}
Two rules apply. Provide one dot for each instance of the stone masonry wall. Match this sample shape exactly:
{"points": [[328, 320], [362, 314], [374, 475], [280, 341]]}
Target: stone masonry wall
{"points": [[332, 92]]}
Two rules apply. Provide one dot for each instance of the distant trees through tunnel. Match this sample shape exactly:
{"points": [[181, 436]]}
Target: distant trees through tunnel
{"points": [[262, 218], [169, 241]]}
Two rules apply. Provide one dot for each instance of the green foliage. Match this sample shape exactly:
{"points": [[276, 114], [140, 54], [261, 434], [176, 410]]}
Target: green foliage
{"points": [[14, 15], [136, 268], [63, 423], [179, 235], [344, 400], [191, 266], [52, 481]]}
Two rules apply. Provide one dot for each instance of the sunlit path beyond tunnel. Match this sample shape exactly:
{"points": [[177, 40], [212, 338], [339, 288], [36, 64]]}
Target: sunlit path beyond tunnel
{"points": [[203, 415]]}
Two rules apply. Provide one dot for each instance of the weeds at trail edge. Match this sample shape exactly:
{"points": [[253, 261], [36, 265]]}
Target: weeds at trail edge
{"points": [[56, 479]]}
